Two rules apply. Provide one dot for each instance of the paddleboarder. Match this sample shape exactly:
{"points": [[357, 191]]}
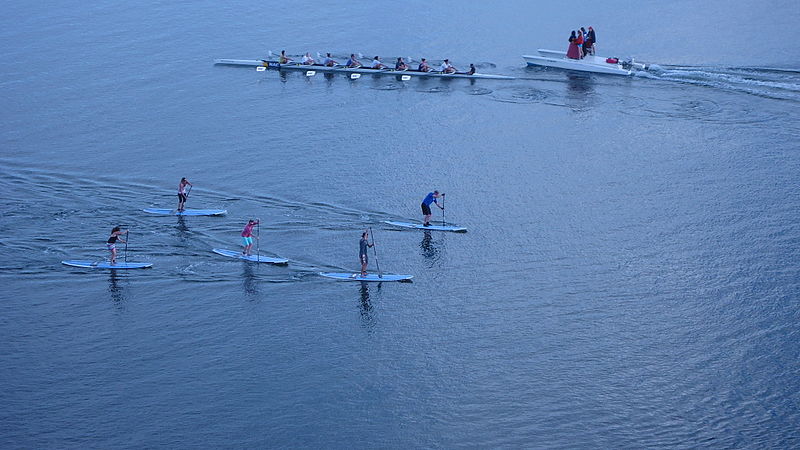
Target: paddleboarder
{"points": [[182, 195], [426, 207], [247, 236], [363, 244], [111, 244]]}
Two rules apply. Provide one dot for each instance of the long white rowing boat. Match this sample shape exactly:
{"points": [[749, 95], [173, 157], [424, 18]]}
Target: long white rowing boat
{"points": [[360, 70], [590, 63]]}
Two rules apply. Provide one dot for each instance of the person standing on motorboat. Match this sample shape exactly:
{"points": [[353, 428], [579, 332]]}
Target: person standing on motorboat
{"points": [[572, 51], [591, 39], [579, 43]]}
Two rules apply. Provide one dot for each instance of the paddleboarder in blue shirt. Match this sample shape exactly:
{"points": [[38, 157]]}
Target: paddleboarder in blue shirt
{"points": [[426, 207], [363, 244]]}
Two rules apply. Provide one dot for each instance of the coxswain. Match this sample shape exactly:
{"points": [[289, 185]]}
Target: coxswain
{"points": [[471, 69]]}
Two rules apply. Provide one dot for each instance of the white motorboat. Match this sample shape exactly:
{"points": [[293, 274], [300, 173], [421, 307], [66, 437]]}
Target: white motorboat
{"points": [[590, 63]]}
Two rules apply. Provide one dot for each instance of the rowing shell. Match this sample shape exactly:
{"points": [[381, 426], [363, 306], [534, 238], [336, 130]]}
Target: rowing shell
{"points": [[105, 264], [360, 70], [186, 212], [373, 277], [251, 258], [419, 226]]}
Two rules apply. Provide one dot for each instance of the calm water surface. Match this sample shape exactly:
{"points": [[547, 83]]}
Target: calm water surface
{"points": [[629, 278]]}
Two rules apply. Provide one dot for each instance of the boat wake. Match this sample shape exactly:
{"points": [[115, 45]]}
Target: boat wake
{"points": [[773, 83]]}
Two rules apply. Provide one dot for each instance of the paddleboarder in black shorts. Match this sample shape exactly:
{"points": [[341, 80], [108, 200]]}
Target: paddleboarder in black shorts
{"points": [[426, 207], [182, 195], [363, 244]]}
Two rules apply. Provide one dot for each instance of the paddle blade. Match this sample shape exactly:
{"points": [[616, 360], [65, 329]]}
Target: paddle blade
{"points": [[355, 76], [311, 73], [405, 77], [260, 69]]}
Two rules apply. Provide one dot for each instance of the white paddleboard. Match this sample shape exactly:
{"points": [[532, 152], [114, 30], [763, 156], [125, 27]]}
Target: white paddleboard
{"points": [[186, 212], [369, 277], [105, 264], [433, 227], [253, 258]]}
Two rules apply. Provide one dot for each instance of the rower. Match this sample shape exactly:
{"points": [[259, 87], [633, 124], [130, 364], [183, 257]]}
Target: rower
{"points": [[328, 61], [471, 69], [400, 64], [307, 60], [283, 59], [446, 67], [423, 66], [377, 64], [353, 62]]}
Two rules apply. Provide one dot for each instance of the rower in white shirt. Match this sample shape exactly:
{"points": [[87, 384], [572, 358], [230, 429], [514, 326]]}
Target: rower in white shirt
{"points": [[446, 67], [307, 60], [377, 64]]}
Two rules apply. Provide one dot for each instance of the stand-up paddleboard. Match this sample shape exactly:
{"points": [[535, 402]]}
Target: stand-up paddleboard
{"points": [[253, 258], [433, 227], [186, 212], [369, 277], [105, 264]]}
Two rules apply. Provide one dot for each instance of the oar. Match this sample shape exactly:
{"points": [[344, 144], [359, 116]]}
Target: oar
{"points": [[375, 252]]}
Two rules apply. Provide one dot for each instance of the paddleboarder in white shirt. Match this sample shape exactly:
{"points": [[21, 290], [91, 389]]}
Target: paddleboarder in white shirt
{"points": [[182, 195]]}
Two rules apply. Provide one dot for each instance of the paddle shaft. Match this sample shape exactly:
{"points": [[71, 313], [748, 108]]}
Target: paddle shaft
{"points": [[127, 238], [375, 252], [443, 210], [258, 241]]}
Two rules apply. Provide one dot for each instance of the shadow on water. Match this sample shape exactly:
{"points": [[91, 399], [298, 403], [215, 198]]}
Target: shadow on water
{"points": [[427, 247], [580, 92]]}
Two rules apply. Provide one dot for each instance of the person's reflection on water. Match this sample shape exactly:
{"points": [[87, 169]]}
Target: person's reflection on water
{"points": [[366, 306], [183, 230], [249, 281], [114, 287], [428, 249]]}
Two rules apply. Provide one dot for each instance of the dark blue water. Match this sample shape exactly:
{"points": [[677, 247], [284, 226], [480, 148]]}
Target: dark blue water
{"points": [[629, 278]]}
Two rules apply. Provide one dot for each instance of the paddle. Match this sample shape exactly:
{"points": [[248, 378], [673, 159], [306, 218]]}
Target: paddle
{"points": [[443, 210], [127, 238], [258, 240], [375, 252]]}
